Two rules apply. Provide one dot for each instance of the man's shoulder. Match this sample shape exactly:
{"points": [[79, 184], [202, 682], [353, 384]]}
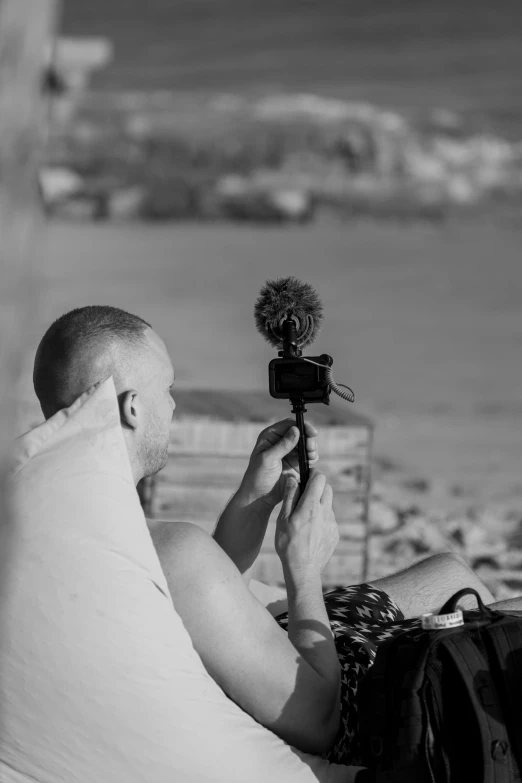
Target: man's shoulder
{"points": [[170, 535], [189, 556]]}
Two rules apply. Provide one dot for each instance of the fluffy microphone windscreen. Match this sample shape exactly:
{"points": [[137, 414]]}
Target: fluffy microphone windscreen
{"points": [[285, 298]]}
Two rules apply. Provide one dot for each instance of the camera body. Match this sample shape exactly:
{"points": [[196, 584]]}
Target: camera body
{"points": [[292, 377]]}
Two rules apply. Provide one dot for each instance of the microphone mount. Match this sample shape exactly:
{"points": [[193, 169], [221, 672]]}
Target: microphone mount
{"points": [[290, 344], [299, 340]]}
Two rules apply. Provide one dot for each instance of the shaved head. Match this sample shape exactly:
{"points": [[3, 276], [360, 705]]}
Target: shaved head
{"points": [[90, 344], [82, 347]]}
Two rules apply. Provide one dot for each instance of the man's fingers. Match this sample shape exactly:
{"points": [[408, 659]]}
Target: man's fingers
{"points": [[284, 445], [311, 449], [278, 429], [315, 486], [309, 427], [290, 497], [327, 496], [275, 432], [279, 442], [310, 430]]}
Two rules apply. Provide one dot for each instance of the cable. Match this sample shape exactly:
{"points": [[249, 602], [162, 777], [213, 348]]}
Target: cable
{"points": [[336, 387]]}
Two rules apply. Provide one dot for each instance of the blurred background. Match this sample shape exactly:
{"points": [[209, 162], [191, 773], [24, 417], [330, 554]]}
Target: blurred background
{"points": [[372, 149]]}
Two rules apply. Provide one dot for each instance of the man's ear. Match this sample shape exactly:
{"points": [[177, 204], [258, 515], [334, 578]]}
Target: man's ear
{"points": [[130, 409]]}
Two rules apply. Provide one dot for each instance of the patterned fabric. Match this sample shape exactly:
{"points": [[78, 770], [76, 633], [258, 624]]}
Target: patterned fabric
{"points": [[361, 617]]}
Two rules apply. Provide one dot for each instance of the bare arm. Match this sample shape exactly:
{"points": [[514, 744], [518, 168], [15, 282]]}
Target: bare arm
{"points": [[508, 604], [306, 536], [241, 527], [244, 649]]}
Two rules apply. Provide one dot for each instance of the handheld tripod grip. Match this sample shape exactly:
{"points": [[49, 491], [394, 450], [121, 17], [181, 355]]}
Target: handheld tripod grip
{"points": [[304, 468]]}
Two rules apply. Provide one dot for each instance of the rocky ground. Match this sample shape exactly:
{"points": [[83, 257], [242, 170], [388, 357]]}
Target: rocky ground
{"points": [[283, 158], [408, 524]]}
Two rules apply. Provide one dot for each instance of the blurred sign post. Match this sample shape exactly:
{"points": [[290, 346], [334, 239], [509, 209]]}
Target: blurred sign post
{"points": [[26, 28]]}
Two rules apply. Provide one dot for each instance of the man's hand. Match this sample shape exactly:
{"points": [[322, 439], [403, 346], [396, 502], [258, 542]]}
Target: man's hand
{"points": [[306, 530], [274, 458]]}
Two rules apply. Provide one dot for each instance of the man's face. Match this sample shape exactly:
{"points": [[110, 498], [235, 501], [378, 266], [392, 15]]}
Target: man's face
{"points": [[158, 405]]}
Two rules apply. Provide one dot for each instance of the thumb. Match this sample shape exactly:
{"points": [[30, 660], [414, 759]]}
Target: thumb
{"points": [[290, 498], [284, 446]]}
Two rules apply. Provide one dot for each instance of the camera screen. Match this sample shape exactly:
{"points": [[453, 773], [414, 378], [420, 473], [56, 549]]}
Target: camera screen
{"points": [[300, 377]]}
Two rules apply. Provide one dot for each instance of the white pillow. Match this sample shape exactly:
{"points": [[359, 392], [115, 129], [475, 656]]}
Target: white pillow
{"points": [[99, 681]]}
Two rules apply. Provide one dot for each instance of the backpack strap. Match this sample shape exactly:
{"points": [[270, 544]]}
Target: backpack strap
{"points": [[474, 671], [452, 603], [506, 639], [372, 707], [389, 707], [404, 687]]}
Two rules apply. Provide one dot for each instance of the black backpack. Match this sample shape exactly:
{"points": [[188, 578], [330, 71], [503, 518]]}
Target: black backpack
{"points": [[445, 706]]}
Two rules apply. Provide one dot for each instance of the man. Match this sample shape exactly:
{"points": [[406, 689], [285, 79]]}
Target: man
{"points": [[208, 575], [90, 343]]}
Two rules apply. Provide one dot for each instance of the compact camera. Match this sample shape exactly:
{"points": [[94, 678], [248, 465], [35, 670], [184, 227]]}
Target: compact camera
{"points": [[296, 377]]}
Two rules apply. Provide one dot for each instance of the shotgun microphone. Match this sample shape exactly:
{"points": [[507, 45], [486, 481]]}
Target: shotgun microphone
{"points": [[288, 314]]}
